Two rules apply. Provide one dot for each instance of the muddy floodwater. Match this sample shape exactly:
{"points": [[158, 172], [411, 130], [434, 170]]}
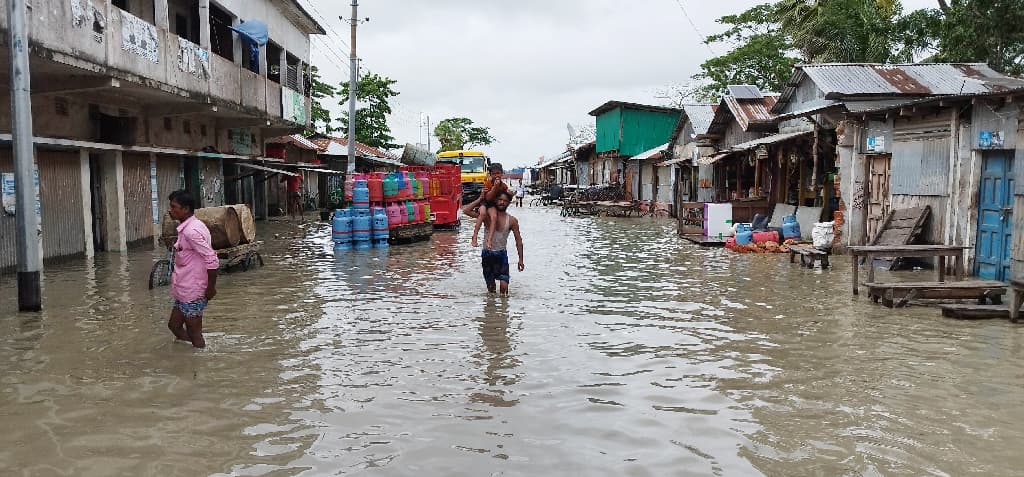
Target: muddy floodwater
{"points": [[622, 351]]}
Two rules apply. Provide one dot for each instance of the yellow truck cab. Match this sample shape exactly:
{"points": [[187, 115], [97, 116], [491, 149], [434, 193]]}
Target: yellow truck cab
{"points": [[474, 170]]}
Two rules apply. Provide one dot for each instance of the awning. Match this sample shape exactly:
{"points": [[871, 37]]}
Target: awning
{"points": [[775, 138], [671, 162], [320, 170], [706, 161], [266, 169]]}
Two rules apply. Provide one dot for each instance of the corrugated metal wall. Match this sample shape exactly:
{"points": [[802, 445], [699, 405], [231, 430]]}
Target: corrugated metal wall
{"points": [[213, 183], [705, 183], [920, 157], [608, 130], [665, 185], [1001, 121], [168, 179], [583, 173], [60, 197], [138, 203], [8, 241], [644, 130]]}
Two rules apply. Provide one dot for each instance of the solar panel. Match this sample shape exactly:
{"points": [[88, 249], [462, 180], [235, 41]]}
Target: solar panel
{"points": [[744, 91]]}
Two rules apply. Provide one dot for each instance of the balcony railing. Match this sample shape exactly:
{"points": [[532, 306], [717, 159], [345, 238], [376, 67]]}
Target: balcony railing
{"points": [[102, 38]]}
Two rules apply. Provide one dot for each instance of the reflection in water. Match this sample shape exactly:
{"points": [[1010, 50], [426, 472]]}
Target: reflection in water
{"points": [[499, 364], [621, 351]]}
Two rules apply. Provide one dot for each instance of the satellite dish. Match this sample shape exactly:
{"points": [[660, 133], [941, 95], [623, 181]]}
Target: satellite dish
{"points": [[572, 130]]}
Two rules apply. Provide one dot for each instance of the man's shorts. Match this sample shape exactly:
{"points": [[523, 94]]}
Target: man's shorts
{"points": [[495, 265], [191, 309]]}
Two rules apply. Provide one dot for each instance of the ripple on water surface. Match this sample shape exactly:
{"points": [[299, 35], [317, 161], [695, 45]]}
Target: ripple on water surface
{"points": [[621, 351]]}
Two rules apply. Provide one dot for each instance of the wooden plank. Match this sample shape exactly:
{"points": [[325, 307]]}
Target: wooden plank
{"points": [[974, 312], [967, 284]]}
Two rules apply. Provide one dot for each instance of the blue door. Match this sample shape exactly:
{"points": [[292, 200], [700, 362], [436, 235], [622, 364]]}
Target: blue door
{"points": [[995, 217]]}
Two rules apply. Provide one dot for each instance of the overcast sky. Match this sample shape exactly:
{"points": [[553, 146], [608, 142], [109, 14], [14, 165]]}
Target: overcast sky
{"points": [[524, 68]]}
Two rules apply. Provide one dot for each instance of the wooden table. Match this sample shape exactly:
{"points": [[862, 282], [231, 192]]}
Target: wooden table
{"points": [[940, 252]]}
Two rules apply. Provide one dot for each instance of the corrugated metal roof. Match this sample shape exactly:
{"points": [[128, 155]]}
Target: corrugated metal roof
{"points": [[652, 153], [295, 139], [775, 138], [752, 113], [707, 161], [362, 150], [700, 116], [843, 80], [744, 91], [610, 105]]}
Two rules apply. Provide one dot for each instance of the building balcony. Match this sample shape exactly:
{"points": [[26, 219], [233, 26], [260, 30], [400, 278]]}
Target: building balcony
{"points": [[79, 44]]}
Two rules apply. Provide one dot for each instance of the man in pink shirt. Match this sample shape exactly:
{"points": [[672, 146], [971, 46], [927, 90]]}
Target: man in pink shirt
{"points": [[194, 279]]}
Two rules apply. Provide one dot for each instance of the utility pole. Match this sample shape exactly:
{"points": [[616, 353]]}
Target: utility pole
{"points": [[352, 80], [428, 132], [30, 262]]}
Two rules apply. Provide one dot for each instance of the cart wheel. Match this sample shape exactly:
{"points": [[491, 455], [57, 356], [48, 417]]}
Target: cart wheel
{"points": [[160, 275]]}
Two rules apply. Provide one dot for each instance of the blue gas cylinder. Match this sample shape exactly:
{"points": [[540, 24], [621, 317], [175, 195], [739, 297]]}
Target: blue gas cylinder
{"points": [[341, 226], [744, 234], [361, 226], [361, 195], [399, 185], [790, 228], [380, 224]]}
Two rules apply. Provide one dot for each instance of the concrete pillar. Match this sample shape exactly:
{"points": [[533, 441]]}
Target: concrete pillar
{"points": [[236, 42], [113, 193], [85, 177], [204, 24], [161, 14], [284, 67]]}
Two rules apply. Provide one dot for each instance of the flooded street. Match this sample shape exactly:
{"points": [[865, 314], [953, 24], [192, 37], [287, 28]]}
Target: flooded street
{"points": [[622, 350]]}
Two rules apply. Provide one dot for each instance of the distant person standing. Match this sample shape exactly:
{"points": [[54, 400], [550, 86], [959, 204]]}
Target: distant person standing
{"points": [[494, 258], [194, 279], [520, 193], [294, 185]]}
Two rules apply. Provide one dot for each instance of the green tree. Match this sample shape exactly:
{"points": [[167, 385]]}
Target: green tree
{"points": [[374, 91], [987, 31], [760, 55], [845, 31], [459, 133], [320, 117]]}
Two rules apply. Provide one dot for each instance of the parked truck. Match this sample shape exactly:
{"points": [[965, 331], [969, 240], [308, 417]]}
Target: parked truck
{"points": [[473, 165]]}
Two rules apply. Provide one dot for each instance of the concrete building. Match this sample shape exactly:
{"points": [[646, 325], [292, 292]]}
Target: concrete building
{"points": [[132, 99]]}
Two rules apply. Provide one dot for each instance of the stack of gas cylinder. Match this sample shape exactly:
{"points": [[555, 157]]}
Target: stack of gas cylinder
{"points": [[380, 202]]}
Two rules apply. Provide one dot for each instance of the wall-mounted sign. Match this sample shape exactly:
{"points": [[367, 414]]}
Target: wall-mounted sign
{"points": [[990, 139], [876, 143], [8, 192], [293, 107], [241, 140], [193, 59], [139, 37]]}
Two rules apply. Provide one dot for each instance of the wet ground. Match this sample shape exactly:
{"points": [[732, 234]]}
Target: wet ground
{"points": [[621, 351]]}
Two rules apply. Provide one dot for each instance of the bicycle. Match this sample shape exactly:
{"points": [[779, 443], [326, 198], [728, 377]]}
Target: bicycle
{"points": [[160, 275]]}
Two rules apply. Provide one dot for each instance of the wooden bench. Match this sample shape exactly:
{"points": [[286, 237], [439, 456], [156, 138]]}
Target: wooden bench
{"points": [[974, 312], [1016, 299], [898, 294], [808, 255]]}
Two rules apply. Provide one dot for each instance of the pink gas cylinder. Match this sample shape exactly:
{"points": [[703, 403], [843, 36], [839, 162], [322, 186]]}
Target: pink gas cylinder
{"points": [[396, 215]]}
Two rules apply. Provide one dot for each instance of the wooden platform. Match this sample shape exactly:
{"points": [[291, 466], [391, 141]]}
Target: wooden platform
{"points": [[901, 227], [808, 255], [704, 241], [975, 312], [411, 233], [898, 294], [1016, 299]]}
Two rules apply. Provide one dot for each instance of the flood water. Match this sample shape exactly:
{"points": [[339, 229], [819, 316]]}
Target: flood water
{"points": [[622, 351]]}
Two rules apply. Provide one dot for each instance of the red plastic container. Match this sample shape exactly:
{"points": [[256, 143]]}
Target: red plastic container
{"points": [[762, 237]]}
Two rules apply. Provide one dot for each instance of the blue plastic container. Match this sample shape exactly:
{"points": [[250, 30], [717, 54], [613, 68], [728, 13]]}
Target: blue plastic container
{"points": [[790, 228], [744, 234], [341, 227], [380, 224], [361, 195]]}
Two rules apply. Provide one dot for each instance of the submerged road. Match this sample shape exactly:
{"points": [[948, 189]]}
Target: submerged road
{"points": [[622, 350]]}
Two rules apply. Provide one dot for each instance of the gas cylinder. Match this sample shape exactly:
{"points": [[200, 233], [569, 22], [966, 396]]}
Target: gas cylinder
{"points": [[395, 215], [410, 212], [400, 186], [390, 187], [410, 186], [375, 184], [341, 230], [744, 235], [424, 187], [435, 186], [360, 195], [417, 189], [361, 226], [350, 183], [426, 212], [790, 228], [380, 224]]}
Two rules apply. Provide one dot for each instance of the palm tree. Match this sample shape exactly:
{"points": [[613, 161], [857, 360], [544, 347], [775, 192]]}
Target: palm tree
{"points": [[845, 31]]}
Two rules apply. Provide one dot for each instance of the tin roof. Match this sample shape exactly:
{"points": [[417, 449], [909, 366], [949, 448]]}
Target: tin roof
{"points": [[845, 80], [610, 105], [744, 91], [330, 146], [752, 112], [700, 116], [653, 153], [296, 139]]}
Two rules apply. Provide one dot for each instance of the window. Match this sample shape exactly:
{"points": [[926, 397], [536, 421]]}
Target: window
{"points": [[292, 75], [273, 62], [222, 41]]}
